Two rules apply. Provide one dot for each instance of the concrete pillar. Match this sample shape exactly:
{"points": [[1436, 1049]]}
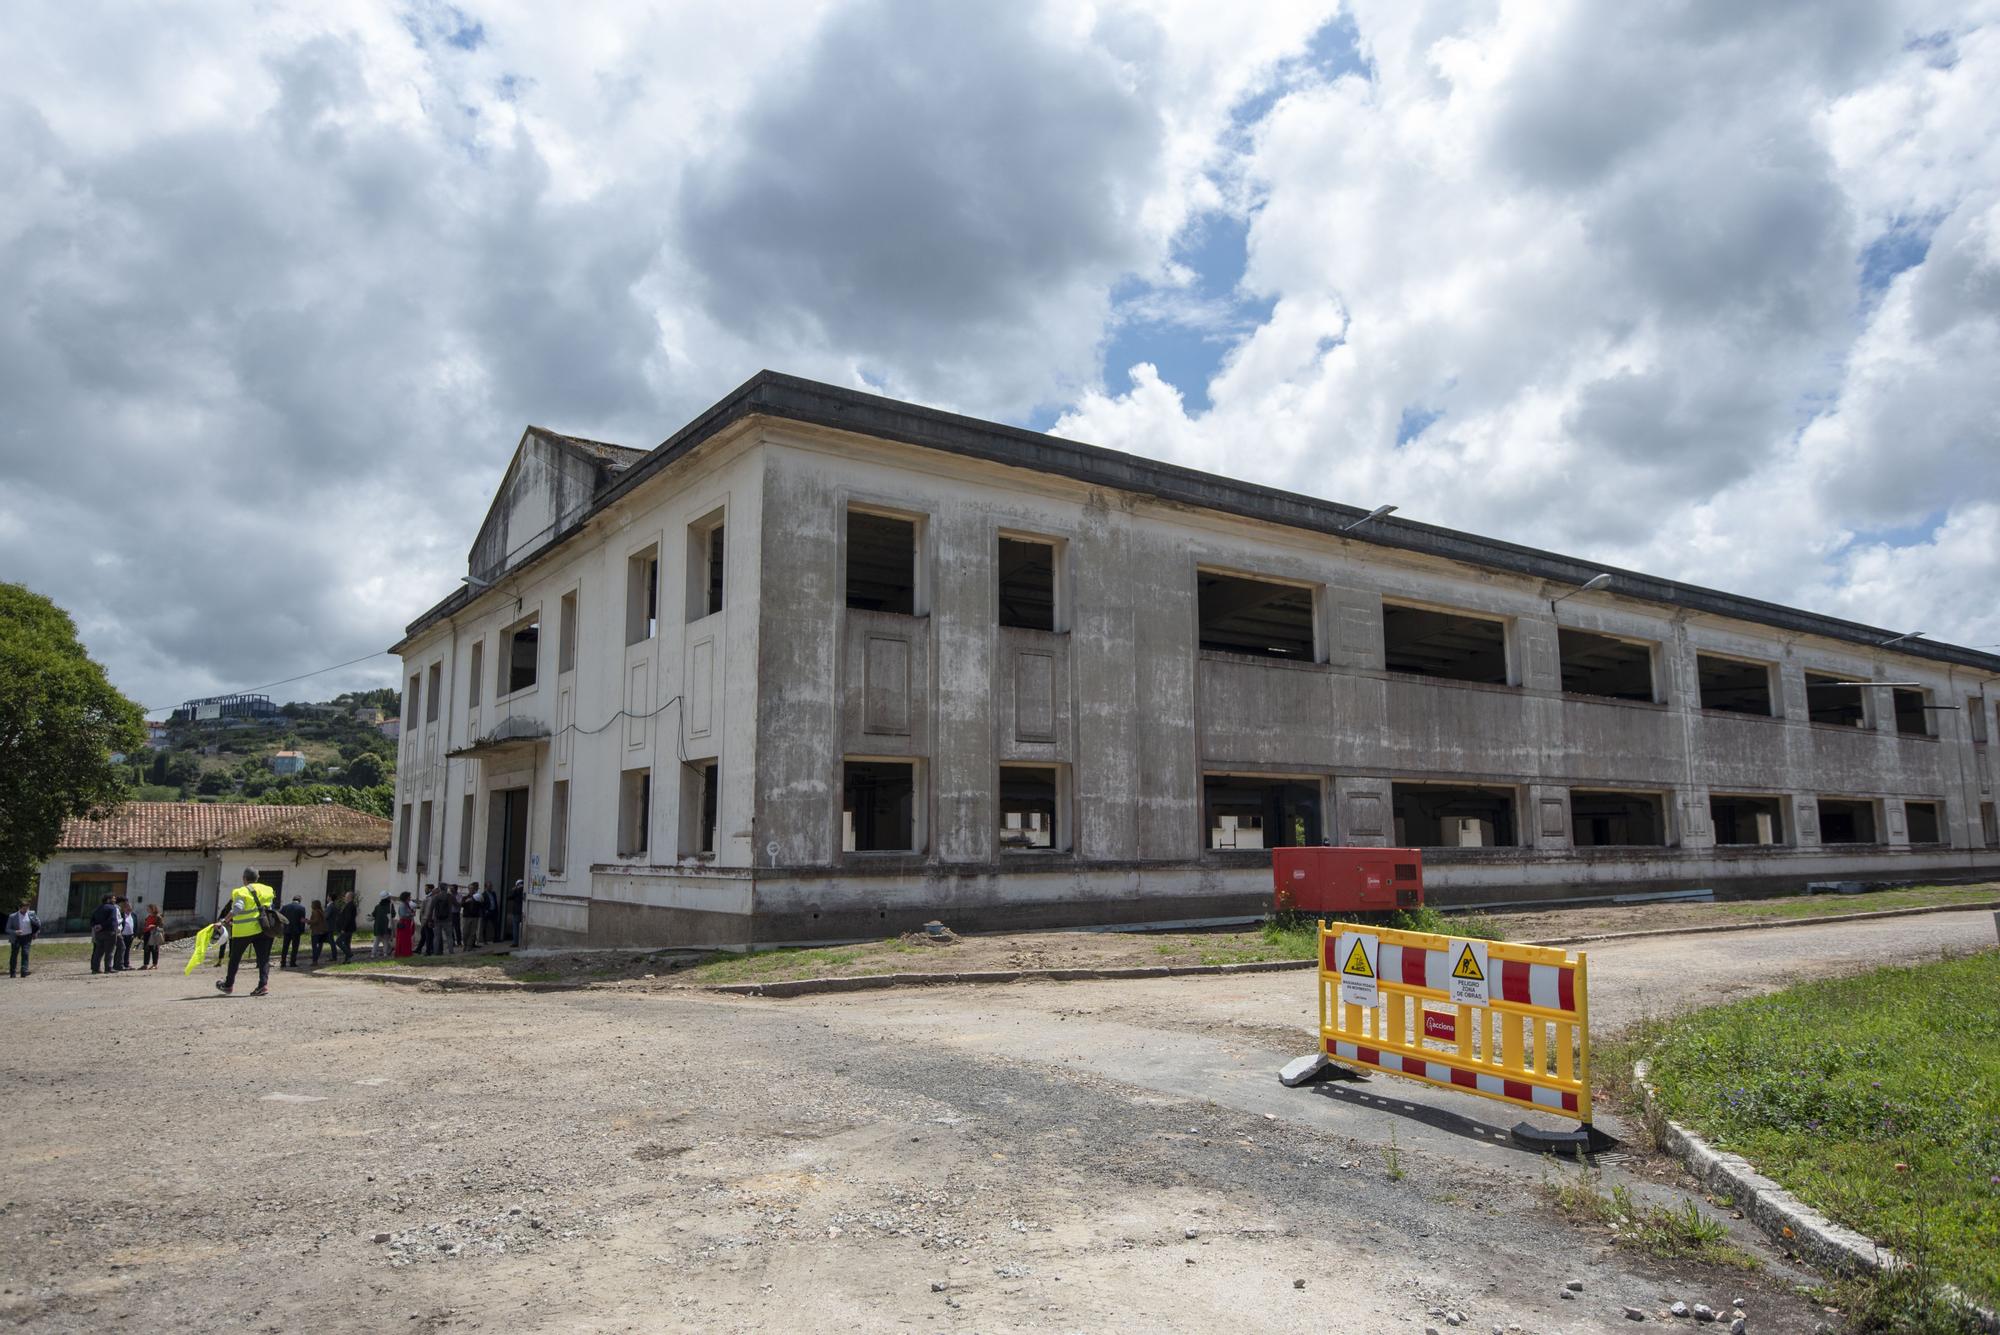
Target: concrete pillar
{"points": [[1895, 830], [1364, 815], [1547, 817], [1804, 819], [1693, 825], [964, 616]]}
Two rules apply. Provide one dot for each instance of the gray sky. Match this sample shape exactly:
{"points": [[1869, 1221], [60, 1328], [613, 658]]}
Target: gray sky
{"points": [[1708, 289]]}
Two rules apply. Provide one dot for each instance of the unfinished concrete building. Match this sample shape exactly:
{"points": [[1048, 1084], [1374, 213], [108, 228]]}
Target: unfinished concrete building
{"points": [[824, 665]]}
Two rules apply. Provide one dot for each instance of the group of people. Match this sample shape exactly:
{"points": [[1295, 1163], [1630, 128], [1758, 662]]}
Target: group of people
{"points": [[113, 929], [445, 919]]}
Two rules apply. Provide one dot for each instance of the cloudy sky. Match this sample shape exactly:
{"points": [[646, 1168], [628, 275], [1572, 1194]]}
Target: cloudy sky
{"points": [[1705, 288]]}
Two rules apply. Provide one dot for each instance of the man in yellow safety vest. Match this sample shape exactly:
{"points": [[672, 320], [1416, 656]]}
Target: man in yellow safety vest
{"points": [[248, 903]]}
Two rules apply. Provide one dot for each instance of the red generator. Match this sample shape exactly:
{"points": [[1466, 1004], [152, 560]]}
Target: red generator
{"points": [[1332, 881]]}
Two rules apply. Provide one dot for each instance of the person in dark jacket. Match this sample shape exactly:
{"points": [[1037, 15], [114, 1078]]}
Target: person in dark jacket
{"points": [[383, 917], [344, 915], [294, 915], [104, 936]]}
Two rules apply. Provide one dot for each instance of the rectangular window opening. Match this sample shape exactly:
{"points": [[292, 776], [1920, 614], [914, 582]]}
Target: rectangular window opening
{"points": [[177, 896], [339, 883], [1989, 824], [701, 791], [474, 685], [1845, 821], [1926, 821], [1030, 809], [524, 648], [881, 563], [1835, 700], [642, 595], [1617, 820], [1606, 666], [559, 828], [433, 680], [1746, 821], [1252, 813], [1241, 615], [1975, 717], [705, 552], [566, 635], [1440, 816], [1913, 717], [424, 836], [411, 702], [635, 812], [403, 839], [465, 815], [1444, 644], [1027, 584], [1738, 687], [878, 806]]}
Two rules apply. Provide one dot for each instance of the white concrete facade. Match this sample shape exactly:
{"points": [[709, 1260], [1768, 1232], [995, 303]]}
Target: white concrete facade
{"points": [[787, 684]]}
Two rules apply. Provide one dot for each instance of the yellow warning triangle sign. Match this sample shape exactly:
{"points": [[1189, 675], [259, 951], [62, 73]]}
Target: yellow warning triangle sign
{"points": [[1467, 966], [1357, 963]]}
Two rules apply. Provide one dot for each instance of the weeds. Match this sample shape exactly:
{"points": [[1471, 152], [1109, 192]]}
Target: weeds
{"points": [[1669, 1233], [1392, 1157]]}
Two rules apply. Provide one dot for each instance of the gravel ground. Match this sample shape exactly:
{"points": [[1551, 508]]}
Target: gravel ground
{"points": [[350, 1156]]}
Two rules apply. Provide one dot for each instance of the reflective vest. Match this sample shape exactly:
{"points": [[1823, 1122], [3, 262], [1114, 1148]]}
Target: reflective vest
{"points": [[245, 901]]}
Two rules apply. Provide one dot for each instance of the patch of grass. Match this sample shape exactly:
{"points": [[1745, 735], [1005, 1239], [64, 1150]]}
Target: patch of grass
{"points": [[1392, 1157], [1875, 1098], [774, 966], [43, 951], [1873, 901], [1680, 1233]]}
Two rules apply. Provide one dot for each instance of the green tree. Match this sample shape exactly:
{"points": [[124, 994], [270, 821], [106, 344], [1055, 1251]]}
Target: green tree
{"points": [[365, 771], [60, 720]]}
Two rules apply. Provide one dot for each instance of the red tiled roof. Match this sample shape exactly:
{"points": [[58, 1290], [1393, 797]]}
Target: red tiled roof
{"points": [[201, 825]]}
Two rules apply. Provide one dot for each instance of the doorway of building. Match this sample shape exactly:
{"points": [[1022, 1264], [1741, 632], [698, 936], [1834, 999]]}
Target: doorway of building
{"points": [[87, 890], [507, 849]]}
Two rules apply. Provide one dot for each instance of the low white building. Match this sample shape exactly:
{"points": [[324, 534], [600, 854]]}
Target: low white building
{"points": [[178, 855]]}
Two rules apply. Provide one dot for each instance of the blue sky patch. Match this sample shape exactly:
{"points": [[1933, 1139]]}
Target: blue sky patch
{"points": [[1902, 247], [1415, 421]]}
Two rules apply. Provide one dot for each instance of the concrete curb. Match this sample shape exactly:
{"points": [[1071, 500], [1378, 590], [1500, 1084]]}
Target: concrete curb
{"points": [[805, 987], [1785, 1219], [800, 987], [1708, 928]]}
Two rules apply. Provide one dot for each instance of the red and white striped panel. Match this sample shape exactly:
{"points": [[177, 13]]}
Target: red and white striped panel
{"points": [[1550, 986], [1520, 1090]]}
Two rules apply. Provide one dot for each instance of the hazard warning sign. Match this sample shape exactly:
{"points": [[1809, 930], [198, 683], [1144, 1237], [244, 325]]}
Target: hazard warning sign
{"points": [[1360, 954], [1469, 973]]}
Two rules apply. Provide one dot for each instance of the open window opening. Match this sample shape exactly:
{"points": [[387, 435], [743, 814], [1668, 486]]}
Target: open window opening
{"points": [[1441, 816], [433, 681], [1835, 700], [635, 812], [878, 806], [642, 595], [881, 563], [412, 700], [558, 828], [524, 651], [1251, 813], [465, 814], [1845, 821], [1031, 809], [424, 836], [1615, 820], [1926, 821], [1444, 644], [705, 546], [1241, 615], [1989, 824], [1741, 821], [1913, 715], [1027, 578], [1732, 685], [403, 839], [566, 635], [1975, 717], [475, 683], [177, 896], [701, 789], [1603, 665]]}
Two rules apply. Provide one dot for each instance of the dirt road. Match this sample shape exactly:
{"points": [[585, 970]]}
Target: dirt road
{"points": [[1039, 1157]]}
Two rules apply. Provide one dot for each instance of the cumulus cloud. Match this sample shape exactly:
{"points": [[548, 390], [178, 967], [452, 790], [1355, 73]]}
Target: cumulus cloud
{"points": [[1703, 290]]}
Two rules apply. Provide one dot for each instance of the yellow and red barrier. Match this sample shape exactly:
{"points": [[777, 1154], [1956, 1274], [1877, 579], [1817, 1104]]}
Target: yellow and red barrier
{"points": [[1492, 1018]]}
